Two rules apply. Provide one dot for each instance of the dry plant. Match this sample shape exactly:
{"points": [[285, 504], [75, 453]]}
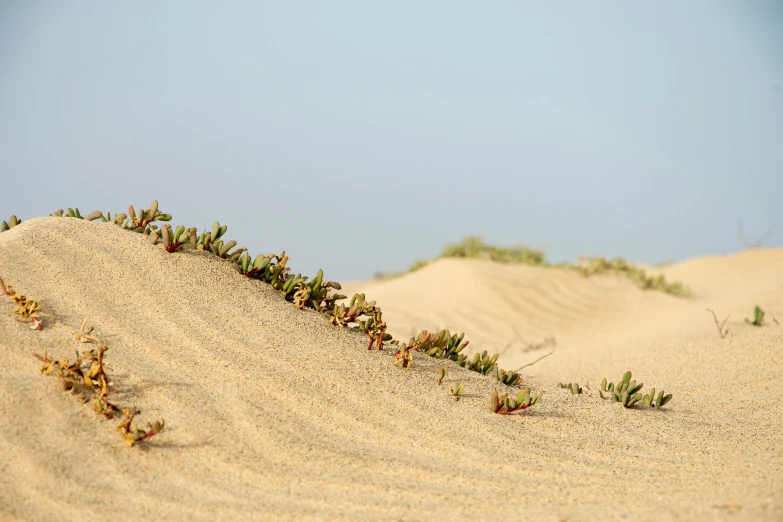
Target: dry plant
{"points": [[534, 362], [26, 308], [721, 331], [86, 379], [85, 337], [403, 358], [754, 244]]}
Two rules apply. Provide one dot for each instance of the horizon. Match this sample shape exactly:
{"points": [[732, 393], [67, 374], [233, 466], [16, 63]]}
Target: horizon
{"points": [[360, 139]]}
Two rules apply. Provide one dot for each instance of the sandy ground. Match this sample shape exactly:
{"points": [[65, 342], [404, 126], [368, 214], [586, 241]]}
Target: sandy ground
{"points": [[273, 413]]}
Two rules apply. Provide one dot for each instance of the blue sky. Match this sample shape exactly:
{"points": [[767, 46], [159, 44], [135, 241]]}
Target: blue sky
{"points": [[360, 136]]}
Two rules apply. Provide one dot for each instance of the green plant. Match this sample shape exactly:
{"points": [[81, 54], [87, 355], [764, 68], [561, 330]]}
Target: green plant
{"points": [[474, 247], [483, 363], [11, 223], [316, 294], [626, 392], [507, 377], [656, 402], [574, 388], [503, 404], [456, 390], [758, 317], [442, 374]]}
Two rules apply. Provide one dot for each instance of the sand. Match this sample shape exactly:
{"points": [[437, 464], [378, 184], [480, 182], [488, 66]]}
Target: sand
{"points": [[274, 414]]}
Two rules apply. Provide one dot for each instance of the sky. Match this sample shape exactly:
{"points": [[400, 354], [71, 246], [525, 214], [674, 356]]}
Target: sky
{"points": [[360, 136]]}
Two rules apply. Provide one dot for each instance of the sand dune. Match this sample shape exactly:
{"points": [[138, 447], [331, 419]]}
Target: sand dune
{"points": [[273, 413]]}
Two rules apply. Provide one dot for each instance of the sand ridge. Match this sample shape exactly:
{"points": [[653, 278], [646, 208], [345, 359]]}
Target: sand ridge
{"points": [[273, 413]]}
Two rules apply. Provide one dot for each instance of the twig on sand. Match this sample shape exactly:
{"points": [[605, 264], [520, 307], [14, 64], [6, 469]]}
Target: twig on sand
{"points": [[723, 333], [534, 362]]}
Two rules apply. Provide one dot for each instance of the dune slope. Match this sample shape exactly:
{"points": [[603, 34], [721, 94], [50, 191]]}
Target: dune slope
{"points": [[273, 413]]}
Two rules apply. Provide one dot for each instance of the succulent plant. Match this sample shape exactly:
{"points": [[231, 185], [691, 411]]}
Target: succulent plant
{"points": [[508, 377], [176, 240], [456, 390], [626, 392], [503, 404], [656, 402], [574, 387], [442, 374], [11, 223], [758, 317], [483, 363]]}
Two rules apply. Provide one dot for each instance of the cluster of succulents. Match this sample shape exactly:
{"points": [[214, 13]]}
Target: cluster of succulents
{"points": [[573, 387], [508, 377], [446, 345], [626, 392], [86, 379], [503, 404], [28, 309]]}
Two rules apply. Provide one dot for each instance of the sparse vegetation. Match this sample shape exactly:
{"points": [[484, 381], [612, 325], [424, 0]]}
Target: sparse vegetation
{"points": [[86, 379], [26, 308], [320, 295], [474, 247], [626, 392]]}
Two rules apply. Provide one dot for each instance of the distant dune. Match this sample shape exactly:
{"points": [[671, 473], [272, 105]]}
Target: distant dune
{"points": [[272, 413]]}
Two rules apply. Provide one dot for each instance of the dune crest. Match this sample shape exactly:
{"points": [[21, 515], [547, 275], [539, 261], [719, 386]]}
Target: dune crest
{"points": [[273, 413]]}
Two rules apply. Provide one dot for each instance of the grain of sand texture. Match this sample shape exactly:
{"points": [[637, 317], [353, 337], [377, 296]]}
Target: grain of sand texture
{"points": [[274, 414]]}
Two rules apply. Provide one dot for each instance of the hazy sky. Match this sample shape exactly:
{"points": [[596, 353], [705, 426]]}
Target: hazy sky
{"points": [[360, 135]]}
